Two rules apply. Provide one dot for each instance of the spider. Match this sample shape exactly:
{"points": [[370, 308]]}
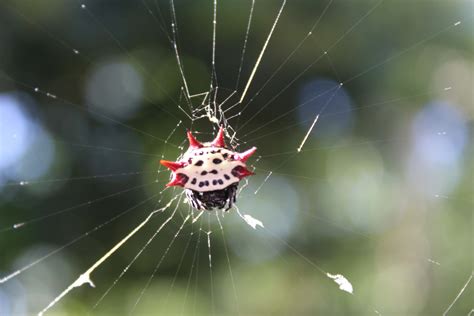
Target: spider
{"points": [[209, 172]]}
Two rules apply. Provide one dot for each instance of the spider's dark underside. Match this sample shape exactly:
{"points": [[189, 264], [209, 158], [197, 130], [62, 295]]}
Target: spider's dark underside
{"points": [[213, 199]]}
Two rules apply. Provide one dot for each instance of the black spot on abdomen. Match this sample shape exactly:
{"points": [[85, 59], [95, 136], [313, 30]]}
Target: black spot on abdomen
{"points": [[199, 163]]}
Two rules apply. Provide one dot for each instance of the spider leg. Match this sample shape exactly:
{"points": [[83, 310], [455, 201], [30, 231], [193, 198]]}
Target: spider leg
{"points": [[232, 197], [230, 204], [193, 199]]}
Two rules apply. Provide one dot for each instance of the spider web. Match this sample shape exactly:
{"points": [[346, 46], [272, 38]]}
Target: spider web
{"points": [[208, 262]]}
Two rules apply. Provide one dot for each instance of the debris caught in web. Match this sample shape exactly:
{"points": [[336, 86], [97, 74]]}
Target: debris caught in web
{"points": [[343, 283], [253, 222]]}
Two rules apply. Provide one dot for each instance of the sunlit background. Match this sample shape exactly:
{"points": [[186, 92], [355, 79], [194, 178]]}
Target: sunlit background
{"points": [[382, 191]]}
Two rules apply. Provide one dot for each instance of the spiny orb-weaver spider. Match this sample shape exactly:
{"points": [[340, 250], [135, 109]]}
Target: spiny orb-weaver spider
{"points": [[209, 172]]}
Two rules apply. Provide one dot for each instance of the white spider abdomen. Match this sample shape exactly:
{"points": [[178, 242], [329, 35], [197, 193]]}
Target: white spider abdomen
{"points": [[209, 167]]}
